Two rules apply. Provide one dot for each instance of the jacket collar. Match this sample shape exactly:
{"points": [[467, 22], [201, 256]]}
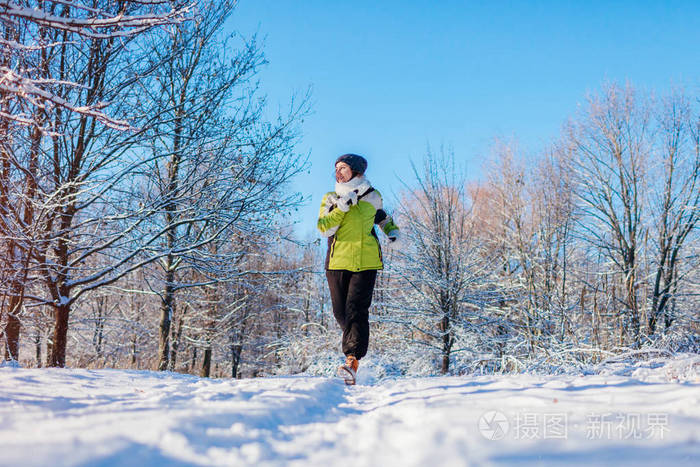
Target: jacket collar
{"points": [[359, 184]]}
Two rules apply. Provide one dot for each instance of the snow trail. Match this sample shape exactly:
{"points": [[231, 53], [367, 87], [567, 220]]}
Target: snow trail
{"points": [[650, 416]]}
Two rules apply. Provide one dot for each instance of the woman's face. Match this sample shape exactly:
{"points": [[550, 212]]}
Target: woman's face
{"points": [[343, 173]]}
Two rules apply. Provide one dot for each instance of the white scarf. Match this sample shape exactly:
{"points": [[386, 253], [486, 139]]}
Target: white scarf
{"points": [[358, 183]]}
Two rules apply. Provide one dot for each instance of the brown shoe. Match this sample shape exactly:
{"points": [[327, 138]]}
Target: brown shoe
{"points": [[348, 371], [352, 362]]}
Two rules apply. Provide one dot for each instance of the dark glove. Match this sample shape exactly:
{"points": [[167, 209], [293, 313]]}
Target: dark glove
{"points": [[393, 236]]}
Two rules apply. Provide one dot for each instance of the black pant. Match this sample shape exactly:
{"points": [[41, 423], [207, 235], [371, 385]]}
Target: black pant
{"points": [[351, 295]]}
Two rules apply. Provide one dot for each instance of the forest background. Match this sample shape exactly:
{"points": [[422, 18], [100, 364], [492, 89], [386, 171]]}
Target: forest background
{"points": [[147, 202]]}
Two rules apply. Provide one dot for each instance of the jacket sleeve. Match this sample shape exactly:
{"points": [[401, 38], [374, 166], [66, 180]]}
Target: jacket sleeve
{"points": [[329, 219], [384, 220]]}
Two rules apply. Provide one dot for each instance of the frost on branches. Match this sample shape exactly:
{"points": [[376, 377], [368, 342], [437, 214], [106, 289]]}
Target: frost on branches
{"points": [[33, 32], [156, 197]]}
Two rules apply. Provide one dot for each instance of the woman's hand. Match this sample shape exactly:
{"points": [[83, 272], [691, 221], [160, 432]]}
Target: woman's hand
{"points": [[393, 236], [347, 200]]}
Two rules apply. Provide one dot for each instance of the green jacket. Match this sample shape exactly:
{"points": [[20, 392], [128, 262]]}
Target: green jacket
{"points": [[352, 241]]}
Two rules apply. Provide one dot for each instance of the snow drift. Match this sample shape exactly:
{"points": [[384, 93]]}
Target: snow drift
{"points": [[646, 413]]}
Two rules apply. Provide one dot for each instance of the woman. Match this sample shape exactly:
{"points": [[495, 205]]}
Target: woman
{"points": [[347, 218]]}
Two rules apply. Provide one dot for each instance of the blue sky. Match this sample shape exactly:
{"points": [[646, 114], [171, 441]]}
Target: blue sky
{"points": [[390, 78]]}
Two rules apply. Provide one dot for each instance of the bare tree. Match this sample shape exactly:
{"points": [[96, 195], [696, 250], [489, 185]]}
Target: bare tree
{"points": [[63, 63], [611, 144], [526, 221], [676, 208], [441, 262], [219, 168], [34, 28]]}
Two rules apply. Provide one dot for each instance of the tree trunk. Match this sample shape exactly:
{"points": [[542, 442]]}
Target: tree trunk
{"points": [[193, 360], [175, 344], [168, 307], [166, 314], [665, 287], [133, 352], [98, 334], [445, 362], [206, 363], [60, 336], [37, 347], [236, 350], [12, 328], [446, 344], [633, 309], [670, 309]]}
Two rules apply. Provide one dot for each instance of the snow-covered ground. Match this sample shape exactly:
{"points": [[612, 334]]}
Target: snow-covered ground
{"points": [[626, 414]]}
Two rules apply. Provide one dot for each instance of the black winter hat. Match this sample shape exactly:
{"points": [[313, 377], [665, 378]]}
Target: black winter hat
{"points": [[357, 163]]}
